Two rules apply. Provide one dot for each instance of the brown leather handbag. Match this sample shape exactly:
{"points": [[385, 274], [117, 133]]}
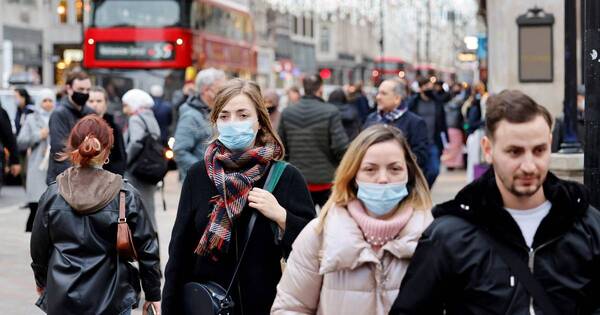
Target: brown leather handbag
{"points": [[125, 246]]}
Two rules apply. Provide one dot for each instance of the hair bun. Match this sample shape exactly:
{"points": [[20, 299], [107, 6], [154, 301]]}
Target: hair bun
{"points": [[90, 147]]}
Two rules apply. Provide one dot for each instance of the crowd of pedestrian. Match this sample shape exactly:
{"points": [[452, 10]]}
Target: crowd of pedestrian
{"points": [[312, 207]]}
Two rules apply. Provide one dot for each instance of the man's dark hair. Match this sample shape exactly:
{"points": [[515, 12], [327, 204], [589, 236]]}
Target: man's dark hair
{"points": [[76, 75], [422, 81], [513, 106], [311, 84]]}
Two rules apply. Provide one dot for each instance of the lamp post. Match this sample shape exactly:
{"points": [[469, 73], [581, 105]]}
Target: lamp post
{"points": [[570, 143], [592, 101]]}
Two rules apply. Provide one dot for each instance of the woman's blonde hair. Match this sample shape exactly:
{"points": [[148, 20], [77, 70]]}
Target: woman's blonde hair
{"points": [[344, 186], [236, 87]]}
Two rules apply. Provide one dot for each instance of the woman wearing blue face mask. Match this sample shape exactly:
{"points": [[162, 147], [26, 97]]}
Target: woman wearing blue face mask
{"points": [[359, 248], [219, 196]]}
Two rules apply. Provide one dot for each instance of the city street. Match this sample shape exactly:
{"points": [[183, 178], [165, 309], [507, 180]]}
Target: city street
{"points": [[17, 293]]}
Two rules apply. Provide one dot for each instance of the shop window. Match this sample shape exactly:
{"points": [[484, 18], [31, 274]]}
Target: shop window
{"points": [[62, 11]]}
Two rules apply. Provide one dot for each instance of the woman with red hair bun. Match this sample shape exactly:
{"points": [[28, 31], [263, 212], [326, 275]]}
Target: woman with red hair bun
{"points": [[73, 242]]}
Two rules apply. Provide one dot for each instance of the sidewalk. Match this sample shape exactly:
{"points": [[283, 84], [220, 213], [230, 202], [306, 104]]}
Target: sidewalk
{"points": [[17, 289]]}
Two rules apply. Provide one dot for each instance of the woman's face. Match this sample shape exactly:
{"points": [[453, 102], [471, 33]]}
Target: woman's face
{"points": [[20, 99], [383, 163], [127, 110], [238, 109], [47, 104], [97, 102]]}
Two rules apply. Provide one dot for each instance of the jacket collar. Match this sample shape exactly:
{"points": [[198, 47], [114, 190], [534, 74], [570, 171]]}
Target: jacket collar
{"points": [[85, 110], [313, 97], [344, 246], [481, 204], [198, 104]]}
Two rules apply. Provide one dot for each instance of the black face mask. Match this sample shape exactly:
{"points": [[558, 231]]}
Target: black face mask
{"points": [[429, 93], [80, 98], [271, 110]]}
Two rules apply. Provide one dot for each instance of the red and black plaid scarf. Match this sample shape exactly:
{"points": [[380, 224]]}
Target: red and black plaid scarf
{"points": [[234, 175]]}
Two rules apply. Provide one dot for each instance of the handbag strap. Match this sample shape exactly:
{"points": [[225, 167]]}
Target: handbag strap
{"points": [[122, 218], [523, 273], [274, 174]]}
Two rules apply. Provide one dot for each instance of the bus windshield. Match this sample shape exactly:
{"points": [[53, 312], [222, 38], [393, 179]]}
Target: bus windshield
{"points": [[136, 13]]}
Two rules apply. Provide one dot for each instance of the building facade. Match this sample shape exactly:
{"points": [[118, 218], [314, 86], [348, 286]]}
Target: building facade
{"points": [[504, 55], [346, 51], [40, 40]]}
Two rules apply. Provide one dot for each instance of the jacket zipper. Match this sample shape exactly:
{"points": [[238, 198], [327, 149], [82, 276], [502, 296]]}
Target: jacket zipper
{"points": [[530, 264]]}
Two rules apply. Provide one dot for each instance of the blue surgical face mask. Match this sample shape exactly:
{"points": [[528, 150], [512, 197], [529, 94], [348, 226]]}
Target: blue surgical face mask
{"points": [[237, 135], [381, 199]]}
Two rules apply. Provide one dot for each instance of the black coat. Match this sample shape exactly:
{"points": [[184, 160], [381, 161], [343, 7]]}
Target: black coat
{"points": [[7, 139], [414, 129], [261, 270], [75, 258], [62, 120], [440, 119], [456, 268], [350, 120], [118, 156]]}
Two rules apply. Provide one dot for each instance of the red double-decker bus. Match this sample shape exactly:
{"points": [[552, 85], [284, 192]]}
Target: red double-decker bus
{"points": [[389, 68], [138, 43]]}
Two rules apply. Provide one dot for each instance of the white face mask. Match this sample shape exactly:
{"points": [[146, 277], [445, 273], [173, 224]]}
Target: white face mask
{"points": [[381, 199], [237, 135]]}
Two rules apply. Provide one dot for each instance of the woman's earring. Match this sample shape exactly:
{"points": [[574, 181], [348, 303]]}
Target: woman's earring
{"points": [[106, 161]]}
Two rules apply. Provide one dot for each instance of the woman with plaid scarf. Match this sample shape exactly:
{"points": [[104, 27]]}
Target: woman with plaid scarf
{"points": [[217, 199]]}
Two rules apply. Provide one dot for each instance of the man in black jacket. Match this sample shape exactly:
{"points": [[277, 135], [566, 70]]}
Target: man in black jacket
{"points": [[431, 109], [64, 117], [7, 139], [517, 209], [392, 110]]}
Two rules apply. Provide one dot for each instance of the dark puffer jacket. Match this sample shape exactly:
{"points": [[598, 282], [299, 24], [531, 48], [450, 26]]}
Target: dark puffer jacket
{"points": [[455, 268], [73, 248], [314, 138]]}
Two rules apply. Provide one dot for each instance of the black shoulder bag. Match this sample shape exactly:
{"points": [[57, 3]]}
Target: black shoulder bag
{"points": [[209, 298], [521, 270]]}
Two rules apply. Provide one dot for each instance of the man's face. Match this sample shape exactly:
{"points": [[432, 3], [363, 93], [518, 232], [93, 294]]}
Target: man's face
{"points": [[520, 154], [209, 93], [81, 86], [387, 100]]}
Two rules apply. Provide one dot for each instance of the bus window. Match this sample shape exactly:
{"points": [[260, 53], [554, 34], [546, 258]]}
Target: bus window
{"points": [[136, 13]]}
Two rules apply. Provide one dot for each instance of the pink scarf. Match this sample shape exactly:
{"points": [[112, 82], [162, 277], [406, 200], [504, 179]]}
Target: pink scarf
{"points": [[377, 232]]}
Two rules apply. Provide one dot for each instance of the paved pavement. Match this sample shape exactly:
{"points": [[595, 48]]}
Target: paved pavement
{"points": [[17, 287]]}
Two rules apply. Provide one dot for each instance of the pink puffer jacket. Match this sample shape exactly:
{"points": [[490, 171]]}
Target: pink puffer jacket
{"points": [[338, 272]]}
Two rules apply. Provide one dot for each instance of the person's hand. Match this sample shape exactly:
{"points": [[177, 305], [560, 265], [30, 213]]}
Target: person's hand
{"points": [[39, 290], [15, 169], [147, 305], [266, 203], [44, 133]]}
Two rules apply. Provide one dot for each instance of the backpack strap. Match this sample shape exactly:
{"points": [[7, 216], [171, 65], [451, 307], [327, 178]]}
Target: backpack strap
{"points": [[277, 168]]}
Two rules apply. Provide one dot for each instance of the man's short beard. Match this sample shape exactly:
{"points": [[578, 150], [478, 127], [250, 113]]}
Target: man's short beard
{"points": [[513, 190]]}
